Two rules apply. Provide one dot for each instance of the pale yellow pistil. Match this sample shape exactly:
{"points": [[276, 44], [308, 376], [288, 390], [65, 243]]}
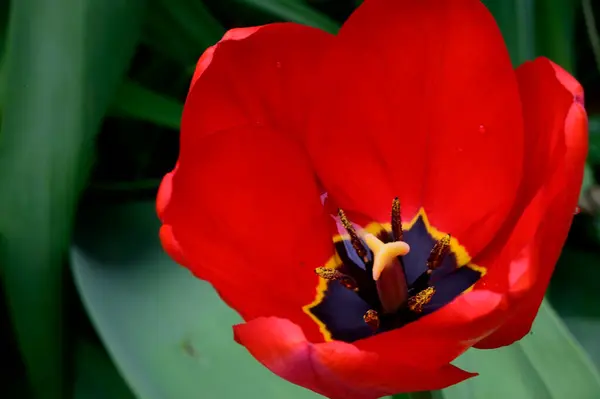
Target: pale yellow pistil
{"points": [[388, 273]]}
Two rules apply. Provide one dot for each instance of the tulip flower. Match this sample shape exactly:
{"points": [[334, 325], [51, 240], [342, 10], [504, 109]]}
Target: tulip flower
{"points": [[375, 203]]}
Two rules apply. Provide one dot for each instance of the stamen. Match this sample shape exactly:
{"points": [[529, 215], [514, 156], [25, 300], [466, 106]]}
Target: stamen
{"points": [[335, 275], [422, 298], [439, 251], [372, 319], [354, 239], [388, 273], [397, 221]]}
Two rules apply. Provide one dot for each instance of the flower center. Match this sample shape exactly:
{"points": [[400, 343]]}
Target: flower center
{"points": [[385, 279], [388, 273]]}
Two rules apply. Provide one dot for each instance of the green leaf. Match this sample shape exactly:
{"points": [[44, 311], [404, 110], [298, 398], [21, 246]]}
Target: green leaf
{"points": [[295, 11], [168, 332], [594, 134], [516, 20], [574, 293], [555, 31], [61, 74], [181, 29], [4, 9], [547, 364], [95, 375], [588, 181], [136, 101]]}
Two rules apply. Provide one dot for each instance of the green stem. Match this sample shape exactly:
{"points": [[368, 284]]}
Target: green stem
{"points": [[416, 395], [421, 395]]}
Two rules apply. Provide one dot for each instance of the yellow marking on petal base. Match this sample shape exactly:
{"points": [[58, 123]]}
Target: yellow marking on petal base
{"points": [[333, 263], [462, 256], [480, 269], [384, 254], [463, 259]]}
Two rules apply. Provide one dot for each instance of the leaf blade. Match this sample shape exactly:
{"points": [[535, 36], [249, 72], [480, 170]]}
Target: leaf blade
{"points": [[138, 102], [548, 363], [168, 332], [61, 74], [295, 11]]}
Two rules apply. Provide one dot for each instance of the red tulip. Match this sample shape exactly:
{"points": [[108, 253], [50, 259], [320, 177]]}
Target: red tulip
{"points": [[414, 100]]}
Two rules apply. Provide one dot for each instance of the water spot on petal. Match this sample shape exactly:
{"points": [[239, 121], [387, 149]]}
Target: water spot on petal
{"points": [[481, 129]]}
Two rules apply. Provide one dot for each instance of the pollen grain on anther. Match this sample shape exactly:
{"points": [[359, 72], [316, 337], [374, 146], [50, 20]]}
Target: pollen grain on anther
{"points": [[421, 299], [371, 317], [327, 273], [438, 252], [335, 275], [354, 238], [397, 221]]}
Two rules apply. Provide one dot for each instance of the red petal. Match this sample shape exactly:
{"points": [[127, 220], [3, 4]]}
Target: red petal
{"points": [[421, 101], [247, 216], [242, 208], [164, 193], [545, 106], [440, 337], [171, 245], [261, 75], [551, 211], [336, 369]]}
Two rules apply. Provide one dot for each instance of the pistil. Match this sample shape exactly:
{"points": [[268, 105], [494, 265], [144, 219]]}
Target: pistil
{"points": [[388, 272]]}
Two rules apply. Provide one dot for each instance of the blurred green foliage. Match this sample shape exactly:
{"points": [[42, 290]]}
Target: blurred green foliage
{"points": [[91, 94]]}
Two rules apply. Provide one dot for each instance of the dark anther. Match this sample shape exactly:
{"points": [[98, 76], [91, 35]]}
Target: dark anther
{"points": [[348, 282], [372, 319], [397, 221], [422, 298], [354, 239], [440, 249], [420, 283], [334, 275]]}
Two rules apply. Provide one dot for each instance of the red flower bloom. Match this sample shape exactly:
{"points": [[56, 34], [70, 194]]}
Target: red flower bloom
{"points": [[414, 99]]}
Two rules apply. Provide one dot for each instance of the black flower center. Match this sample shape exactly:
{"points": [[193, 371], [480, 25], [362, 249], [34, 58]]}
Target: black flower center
{"points": [[353, 302]]}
